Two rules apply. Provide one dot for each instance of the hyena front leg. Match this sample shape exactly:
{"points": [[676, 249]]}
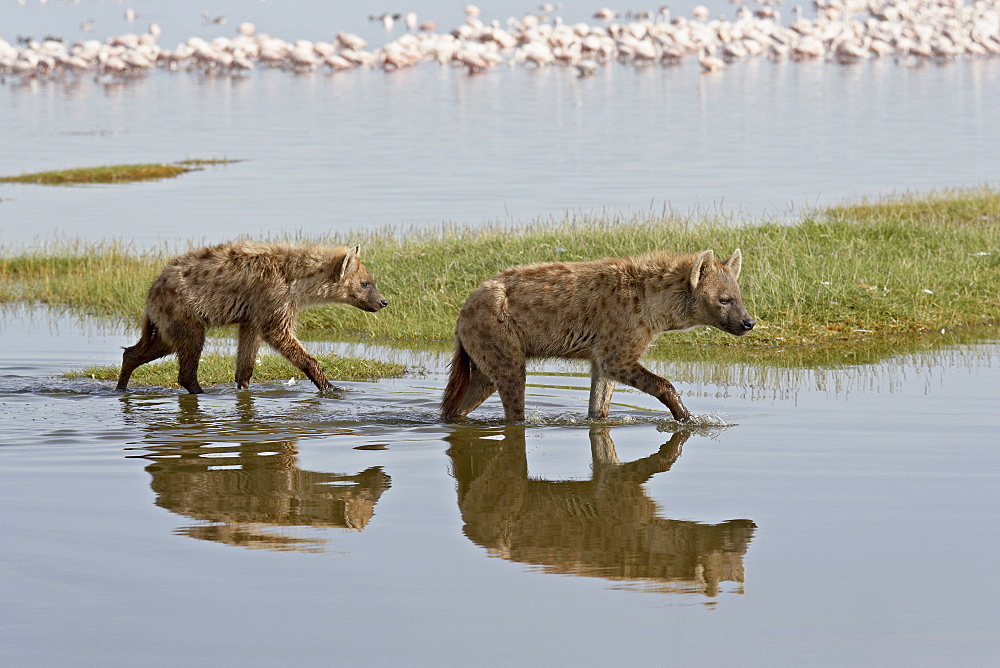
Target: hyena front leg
{"points": [[282, 340], [601, 389], [246, 353], [641, 378]]}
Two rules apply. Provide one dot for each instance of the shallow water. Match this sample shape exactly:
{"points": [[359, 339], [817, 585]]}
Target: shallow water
{"points": [[825, 526]]}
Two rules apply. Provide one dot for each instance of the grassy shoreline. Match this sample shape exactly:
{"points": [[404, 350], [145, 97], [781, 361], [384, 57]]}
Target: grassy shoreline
{"points": [[866, 275]]}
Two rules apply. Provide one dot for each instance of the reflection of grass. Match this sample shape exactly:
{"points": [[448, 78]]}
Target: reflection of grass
{"points": [[112, 173], [199, 162], [218, 368], [869, 277]]}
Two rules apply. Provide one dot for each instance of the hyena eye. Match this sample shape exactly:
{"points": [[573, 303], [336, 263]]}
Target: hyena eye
{"points": [[725, 301], [365, 285]]}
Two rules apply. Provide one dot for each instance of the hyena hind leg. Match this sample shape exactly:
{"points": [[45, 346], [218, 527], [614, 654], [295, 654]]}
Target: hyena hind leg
{"points": [[246, 353], [151, 346], [510, 384], [188, 339], [479, 390]]}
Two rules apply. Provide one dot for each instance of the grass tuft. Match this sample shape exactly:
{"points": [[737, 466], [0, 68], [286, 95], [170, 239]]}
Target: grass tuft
{"points": [[114, 173], [216, 368]]}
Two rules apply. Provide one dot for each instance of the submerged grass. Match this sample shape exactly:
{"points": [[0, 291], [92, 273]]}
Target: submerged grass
{"points": [[216, 368], [113, 173], [869, 275]]}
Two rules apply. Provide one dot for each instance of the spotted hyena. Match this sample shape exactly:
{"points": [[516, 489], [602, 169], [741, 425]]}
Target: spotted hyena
{"points": [[258, 286], [605, 311]]}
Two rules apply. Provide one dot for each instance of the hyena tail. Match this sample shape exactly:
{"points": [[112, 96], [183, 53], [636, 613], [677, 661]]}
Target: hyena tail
{"points": [[458, 382], [148, 330]]}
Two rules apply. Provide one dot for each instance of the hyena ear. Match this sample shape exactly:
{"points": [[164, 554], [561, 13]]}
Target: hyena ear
{"points": [[735, 263], [701, 265], [350, 263]]}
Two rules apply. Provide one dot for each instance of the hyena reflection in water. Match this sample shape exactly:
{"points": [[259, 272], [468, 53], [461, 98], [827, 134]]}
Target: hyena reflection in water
{"points": [[606, 526]]}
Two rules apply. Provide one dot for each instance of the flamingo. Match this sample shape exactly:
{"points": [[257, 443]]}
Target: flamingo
{"points": [[912, 30], [587, 67], [709, 61]]}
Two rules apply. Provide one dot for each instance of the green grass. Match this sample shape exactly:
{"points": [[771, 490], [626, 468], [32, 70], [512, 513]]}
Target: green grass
{"points": [[849, 274], [113, 173], [874, 276], [217, 368]]}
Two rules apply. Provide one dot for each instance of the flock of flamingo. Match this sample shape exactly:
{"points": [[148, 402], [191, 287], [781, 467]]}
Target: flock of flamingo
{"points": [[844, 31]]}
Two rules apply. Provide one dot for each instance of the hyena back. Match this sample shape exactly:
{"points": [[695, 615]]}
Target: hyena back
{"points": [[258, 286], [605, 311]]}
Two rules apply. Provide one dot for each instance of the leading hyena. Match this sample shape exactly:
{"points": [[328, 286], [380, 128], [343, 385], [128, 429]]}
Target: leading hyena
{"points": [[259, 286], [606, 311]]}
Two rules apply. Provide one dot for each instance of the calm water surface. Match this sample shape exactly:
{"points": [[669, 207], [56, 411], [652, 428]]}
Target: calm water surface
{"points": [[847, 517]]}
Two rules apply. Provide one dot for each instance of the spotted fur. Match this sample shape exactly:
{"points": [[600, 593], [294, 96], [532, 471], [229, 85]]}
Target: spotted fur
{"points": [[258, 286], [605, 311]]}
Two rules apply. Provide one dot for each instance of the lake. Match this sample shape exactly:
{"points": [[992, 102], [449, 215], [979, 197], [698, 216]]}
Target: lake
{"points": [[840, 519], [814, 516]]}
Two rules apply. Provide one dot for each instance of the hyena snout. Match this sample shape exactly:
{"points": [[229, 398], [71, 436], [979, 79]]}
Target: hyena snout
{"points": [[373, 301], [737, 321], [742, 323]]}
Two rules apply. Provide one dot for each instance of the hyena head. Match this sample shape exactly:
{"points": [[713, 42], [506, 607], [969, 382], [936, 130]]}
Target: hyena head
{"points": [[354, 284], [717, 299]]}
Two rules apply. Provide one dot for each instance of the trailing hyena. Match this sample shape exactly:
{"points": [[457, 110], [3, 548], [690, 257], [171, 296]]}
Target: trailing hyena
{"points": [[258, 286], [606, 311]]}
